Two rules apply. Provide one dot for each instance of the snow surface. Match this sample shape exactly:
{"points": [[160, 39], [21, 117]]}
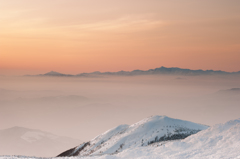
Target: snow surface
{"points": [[221, 141]]}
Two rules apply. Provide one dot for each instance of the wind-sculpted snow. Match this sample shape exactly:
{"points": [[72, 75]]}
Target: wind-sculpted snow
{"points": [[148, 131]]}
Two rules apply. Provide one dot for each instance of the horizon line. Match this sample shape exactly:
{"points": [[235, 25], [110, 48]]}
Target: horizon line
{"points": [[66, 74]]}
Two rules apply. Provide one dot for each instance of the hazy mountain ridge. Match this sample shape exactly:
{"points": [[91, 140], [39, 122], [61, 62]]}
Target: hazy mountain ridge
{"points": [[146, 132], [53, 73], [24, 141], [232, 94], [230, 91], [160, 70]]}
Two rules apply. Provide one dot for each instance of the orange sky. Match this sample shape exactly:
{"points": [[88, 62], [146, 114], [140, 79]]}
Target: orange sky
{"points": [[74, 36]]}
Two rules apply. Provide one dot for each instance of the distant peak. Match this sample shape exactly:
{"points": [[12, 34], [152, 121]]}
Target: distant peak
{"points": [[235, 89], [52, 73]]}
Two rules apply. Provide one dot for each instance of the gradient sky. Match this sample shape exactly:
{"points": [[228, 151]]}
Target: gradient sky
{"points": [[74, 36]]}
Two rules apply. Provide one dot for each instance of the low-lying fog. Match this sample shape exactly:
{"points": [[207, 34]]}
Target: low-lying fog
{"points": [[85, 107]]}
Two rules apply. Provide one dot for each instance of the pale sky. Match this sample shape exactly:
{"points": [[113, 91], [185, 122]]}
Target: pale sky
{"points": [[74, 36]]}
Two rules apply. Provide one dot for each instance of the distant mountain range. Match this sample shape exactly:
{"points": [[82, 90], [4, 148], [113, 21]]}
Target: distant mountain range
{"points": [[157, 71], [31, 142]]}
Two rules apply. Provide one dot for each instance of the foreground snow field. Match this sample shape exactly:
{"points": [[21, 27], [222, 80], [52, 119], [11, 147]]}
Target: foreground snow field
{"points": [[221, 141]]}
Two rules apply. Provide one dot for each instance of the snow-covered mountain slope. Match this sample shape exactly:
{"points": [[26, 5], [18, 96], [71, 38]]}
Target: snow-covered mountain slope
{"points": [[23, 141], [148, 131], [220, 141]]}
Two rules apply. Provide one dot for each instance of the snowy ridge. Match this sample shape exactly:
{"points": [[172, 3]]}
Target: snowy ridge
{"points": [[24, 141], [143, 133], [220, 141]]}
